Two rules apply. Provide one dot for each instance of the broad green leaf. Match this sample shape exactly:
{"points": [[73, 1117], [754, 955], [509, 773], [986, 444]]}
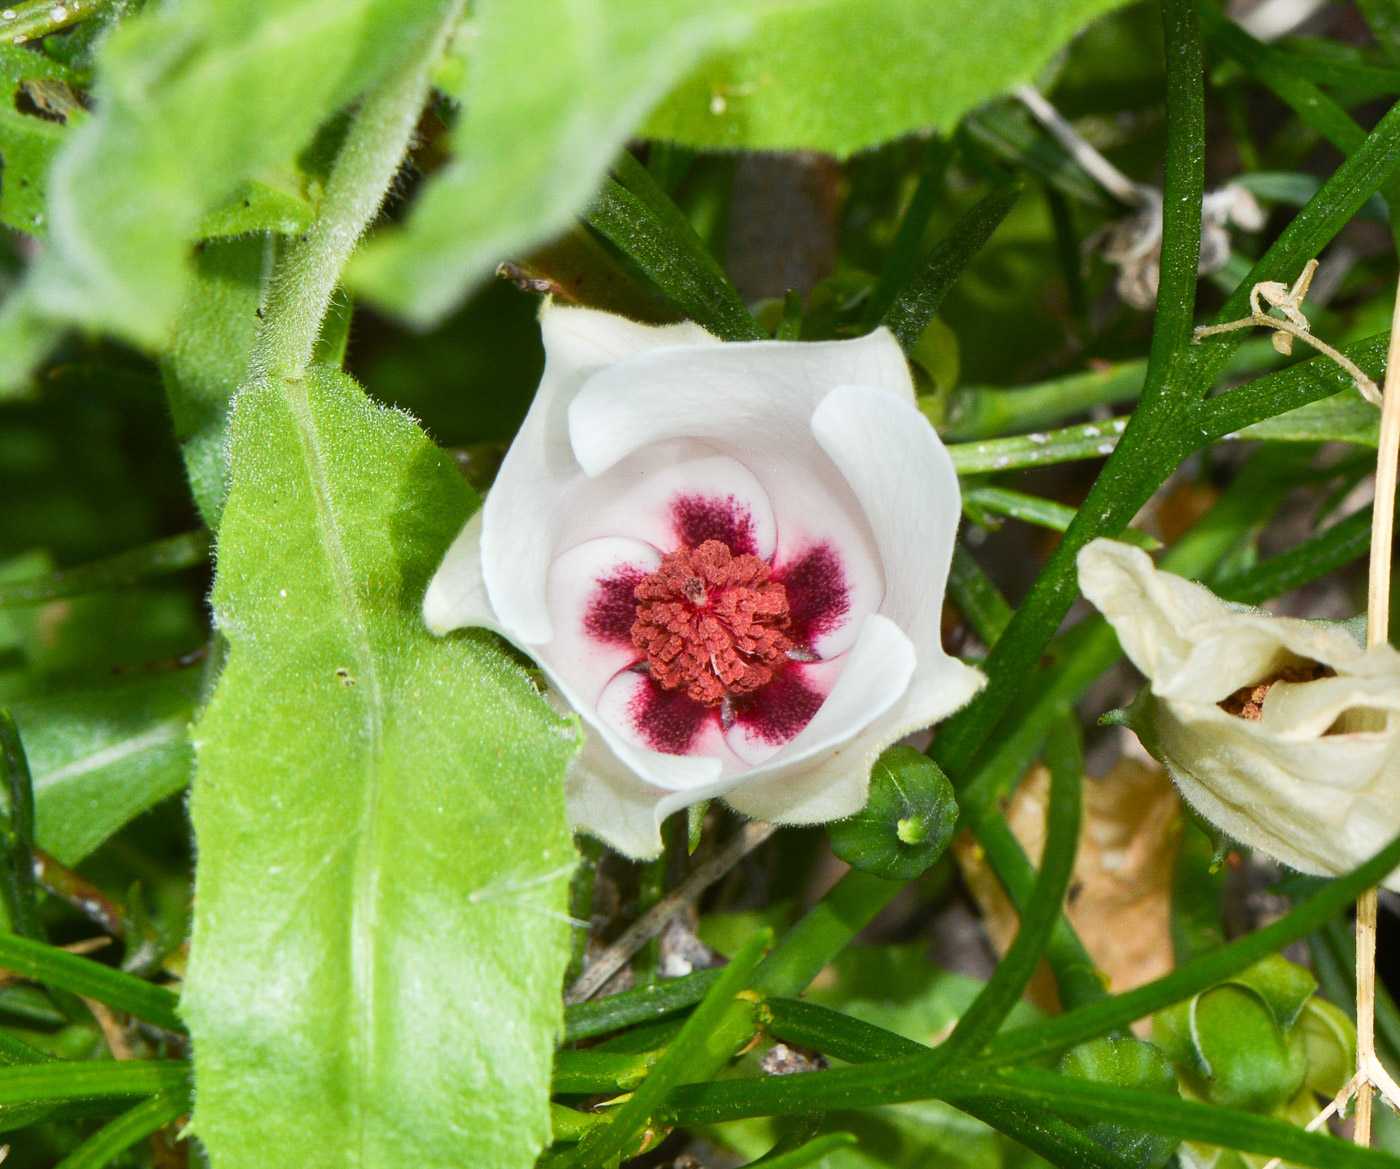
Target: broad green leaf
{"points": [[277, 203], [383, 850], [100, 757], [844, 75], [192, 101], [208, 358], [28, 144], [28, 139], [530, 153]]}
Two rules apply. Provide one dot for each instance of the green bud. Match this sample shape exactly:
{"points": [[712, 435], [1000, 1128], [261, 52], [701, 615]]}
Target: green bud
{"points": [[1228, 1047], [907, 822]]}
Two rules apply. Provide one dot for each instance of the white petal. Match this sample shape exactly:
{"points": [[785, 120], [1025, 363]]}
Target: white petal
{"points": [[608, 800], [874, 676], [836, 785], [1184, 638], [522, 511], [456, 596], [665, 492], [745, 396], [904, 480], [581, 651]]}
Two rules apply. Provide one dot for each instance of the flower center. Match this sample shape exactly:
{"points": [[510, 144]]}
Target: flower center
{"points": [[712, 623]]}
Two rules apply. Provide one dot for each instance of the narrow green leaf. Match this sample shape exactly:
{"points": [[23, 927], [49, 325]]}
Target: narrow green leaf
{"points": [[982, 412], [82, 976], [383, 850], [101, 757], [1283, 77], [643, 1005], [1091, 440], [91, 1080], [173, 554], [593, 1072], [902, 259], [1042, 908], [845, 75], [1064, 1031], [807, 1154], [1181, 1119], [915, 303], [115, 1137], [17, 834], [639, 217], [1344, 417], [1044, 513], [855, 1041], [979, 599], [604, 1144], [528, 156]]}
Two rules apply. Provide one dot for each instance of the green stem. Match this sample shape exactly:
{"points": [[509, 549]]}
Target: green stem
{"points": [[17, 834], [37, 18], [375, 145], [116, 1136]]}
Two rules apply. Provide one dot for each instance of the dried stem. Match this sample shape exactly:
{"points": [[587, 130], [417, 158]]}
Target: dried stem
{"points": [[1370, 1073], [1364, 384], [651, 923], [1103, 172]]}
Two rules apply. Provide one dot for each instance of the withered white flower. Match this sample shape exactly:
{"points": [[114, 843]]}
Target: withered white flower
{"points": [[1309, 770], [729, 558]]}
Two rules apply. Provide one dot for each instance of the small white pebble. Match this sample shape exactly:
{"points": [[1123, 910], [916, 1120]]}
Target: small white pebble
{"points": [[1105, 448]]}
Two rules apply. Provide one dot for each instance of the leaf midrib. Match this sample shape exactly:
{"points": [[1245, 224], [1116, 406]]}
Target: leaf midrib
{"points": [[365, 867]]}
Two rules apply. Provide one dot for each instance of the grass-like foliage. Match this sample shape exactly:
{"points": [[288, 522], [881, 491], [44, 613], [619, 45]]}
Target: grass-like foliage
{"points": [[286, 880]]}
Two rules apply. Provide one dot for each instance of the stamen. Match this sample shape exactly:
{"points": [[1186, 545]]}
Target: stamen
{"points": [[713, 624]]}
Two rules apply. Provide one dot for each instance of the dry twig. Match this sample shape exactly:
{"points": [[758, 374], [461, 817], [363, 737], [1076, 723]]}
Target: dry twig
{"points": [[651, 923]]}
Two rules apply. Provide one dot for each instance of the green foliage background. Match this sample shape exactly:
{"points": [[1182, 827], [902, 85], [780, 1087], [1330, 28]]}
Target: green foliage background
{"points": [[247, 307]]}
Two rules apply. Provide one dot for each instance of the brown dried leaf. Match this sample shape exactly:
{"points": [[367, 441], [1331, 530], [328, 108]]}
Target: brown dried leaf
{"points": [[1119, 898]]}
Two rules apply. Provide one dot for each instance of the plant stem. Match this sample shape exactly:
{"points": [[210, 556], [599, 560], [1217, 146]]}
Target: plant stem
{"points": [[38, 18], [1377, 632], [654, 920], [375, 144]]}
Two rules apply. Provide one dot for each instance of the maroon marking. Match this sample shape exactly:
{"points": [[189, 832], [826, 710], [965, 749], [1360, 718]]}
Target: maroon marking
{"points": [[667, 720], [698, 518], [613, 607], [778, 711], [818, 597]]}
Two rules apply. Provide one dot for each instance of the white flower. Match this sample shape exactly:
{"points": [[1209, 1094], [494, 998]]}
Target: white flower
{"points": [[728, 558], [1309, 770]]}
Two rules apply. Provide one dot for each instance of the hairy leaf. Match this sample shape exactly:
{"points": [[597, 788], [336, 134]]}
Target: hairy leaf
{"points": [[193, 100], [533, 143], [100, 757], [383, 855], [844, 75]]}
